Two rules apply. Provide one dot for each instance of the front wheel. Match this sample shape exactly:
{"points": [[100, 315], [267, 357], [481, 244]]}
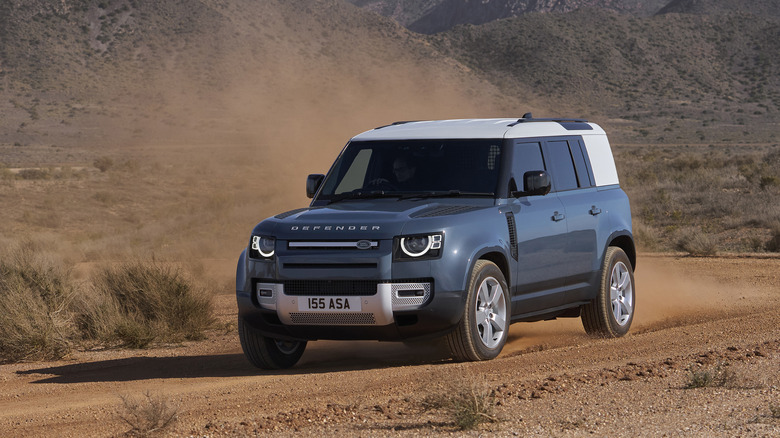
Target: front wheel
{"points": [[610, 314], [482, 332], [268, 353]]}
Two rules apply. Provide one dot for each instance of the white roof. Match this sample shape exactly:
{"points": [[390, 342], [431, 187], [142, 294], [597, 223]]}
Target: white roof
{"points": [[473, 128]]}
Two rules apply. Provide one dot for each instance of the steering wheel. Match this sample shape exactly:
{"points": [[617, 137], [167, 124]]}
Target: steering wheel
{"points": [[381, 184]]}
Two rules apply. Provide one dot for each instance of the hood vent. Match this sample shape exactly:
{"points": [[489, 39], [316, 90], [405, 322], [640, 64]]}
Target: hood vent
{"points": [[445, 210]]}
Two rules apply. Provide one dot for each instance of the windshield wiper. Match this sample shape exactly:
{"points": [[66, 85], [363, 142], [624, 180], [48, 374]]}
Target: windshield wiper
{"points": [[374, 194], [445, 194]]}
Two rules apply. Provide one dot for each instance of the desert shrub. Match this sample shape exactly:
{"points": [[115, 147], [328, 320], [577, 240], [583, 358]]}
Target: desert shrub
{"points": [[150, 414], [143, 302], [697, 243], [645, 235], [34, 174], [34, 295], [774, 242], [467, 404], [720, 376], [103, 163]]}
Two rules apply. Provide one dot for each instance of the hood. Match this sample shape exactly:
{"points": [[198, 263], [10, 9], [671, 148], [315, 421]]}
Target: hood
{"points": [[375, 219]]}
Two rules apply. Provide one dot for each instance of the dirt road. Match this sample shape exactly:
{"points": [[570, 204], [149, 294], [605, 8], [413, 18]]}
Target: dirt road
{"points": [[716, 315]]}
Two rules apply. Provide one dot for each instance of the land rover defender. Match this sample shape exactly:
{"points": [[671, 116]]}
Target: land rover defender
{"points": [[450, 229]]}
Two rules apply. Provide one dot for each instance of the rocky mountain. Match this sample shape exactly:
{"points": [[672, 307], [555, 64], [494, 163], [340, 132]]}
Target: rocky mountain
{"points": [[73, 71], [405, 12], [677, 72], [120, 70], [720, 7], [434, 16]]}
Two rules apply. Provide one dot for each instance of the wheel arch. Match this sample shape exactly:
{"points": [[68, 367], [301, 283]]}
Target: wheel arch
{"points": [[496, 257], [625, 242], [500, 260]]}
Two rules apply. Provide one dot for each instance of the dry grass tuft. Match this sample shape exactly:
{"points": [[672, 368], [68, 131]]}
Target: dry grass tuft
{"points": [[697, 243], [35, 292], [720, 376], [774, 411], [467, 403], [147, 415], [773, 244], [138, 303]]}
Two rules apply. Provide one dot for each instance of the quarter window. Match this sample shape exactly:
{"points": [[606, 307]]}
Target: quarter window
{"points": [[583, 177], [561, 165]]}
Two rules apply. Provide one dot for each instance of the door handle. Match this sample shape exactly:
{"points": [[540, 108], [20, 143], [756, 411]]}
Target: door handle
{"points": [[595, 210], [557, 217]]}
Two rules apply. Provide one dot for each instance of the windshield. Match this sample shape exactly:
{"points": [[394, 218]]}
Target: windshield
{"points": [[414, 167]]}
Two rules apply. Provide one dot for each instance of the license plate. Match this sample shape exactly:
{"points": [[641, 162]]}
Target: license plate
{"points": [[329, 304]]}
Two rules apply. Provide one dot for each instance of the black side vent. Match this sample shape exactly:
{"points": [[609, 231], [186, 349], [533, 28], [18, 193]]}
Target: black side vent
{"points": [[510, 223], [290, 213], [445, 210]]}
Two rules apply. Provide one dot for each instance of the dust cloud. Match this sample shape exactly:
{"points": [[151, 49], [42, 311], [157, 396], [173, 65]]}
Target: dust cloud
{"points": [[670, 291]]}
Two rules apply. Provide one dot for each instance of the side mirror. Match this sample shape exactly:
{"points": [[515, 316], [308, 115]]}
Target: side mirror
{"points": [[535, 183], [313, 183]]}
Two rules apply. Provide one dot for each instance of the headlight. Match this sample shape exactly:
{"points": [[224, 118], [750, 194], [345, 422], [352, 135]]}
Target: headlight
{"points": [[262, 247], [419, 246]]}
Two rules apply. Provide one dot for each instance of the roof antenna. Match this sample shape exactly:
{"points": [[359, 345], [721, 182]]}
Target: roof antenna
{"points": [[528, 116]]}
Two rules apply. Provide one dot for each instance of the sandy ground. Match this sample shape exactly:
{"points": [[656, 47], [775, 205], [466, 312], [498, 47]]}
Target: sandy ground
{"points": [[693, 314]]}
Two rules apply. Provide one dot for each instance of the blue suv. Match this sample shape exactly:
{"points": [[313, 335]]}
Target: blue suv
{"points": [[450, 229]]}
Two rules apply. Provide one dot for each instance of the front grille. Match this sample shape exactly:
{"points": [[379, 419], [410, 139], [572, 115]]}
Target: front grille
{"points": [[306, 318], [330, 265], [363, 244], [330, 287]]}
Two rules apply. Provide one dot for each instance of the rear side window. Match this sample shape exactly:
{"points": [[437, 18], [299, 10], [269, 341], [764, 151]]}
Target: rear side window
{"points": [[561, 165], [583, 175]]}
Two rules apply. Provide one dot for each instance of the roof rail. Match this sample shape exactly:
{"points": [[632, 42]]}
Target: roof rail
{"points": [[528, 117], [396, 123]]}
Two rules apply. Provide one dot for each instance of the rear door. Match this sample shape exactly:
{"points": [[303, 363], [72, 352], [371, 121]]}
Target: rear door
{"points": [[574, 186]]}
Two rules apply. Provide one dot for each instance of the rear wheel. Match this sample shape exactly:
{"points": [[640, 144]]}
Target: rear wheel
{"points": [[482, 332], [268, 353], [610, 314]]}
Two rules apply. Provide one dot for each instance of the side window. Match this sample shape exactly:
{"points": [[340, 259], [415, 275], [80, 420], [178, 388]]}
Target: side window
{"points": [[583, 176], [525, 157], [561, 165]]}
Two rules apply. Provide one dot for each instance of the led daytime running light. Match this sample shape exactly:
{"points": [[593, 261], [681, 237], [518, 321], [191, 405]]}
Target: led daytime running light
{"points": [[434, 242], [257, 245]]}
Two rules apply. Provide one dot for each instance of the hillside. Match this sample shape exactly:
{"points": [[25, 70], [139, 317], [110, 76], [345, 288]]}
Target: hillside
{"points": [[405, 12], [433, 16], [131, 70], [720, 7], [674, 77]]}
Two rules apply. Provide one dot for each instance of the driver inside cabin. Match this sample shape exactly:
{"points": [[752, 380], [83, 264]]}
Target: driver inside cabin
{"points": [[402, 177], [403, 171]]}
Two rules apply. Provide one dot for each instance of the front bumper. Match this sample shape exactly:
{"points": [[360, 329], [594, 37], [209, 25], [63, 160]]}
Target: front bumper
{"points": [[413, 305], [375, 309]]}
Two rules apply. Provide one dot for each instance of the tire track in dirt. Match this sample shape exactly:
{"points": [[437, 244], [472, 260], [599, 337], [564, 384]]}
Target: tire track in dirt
{"points": [[375, 388]]}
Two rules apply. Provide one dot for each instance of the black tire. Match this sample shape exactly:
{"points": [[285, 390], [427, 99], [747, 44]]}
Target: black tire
{"points": [[610, 314], [268, 353], [483, 330]]}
